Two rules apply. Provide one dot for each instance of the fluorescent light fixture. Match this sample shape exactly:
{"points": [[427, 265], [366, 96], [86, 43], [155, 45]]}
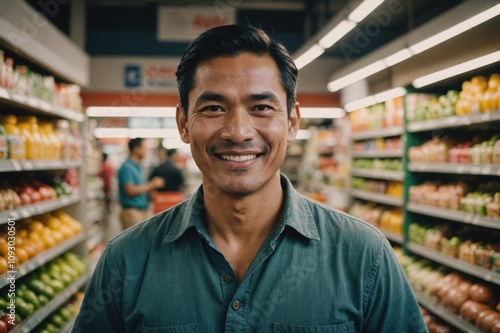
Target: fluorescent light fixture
{"points": [[170, 143], [457, 69], [303, 134], [356, 76], [364, 9], [326, 113], [334, 35], [398, 57], [119, 111], [374, 99], [456, 30], [121, 132], [308, 56]]}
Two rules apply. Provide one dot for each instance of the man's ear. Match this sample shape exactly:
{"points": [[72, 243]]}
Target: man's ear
{"points": [[182, 123], [293, 123]]}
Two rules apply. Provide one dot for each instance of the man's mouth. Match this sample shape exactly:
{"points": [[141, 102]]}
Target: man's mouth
{"points": [[238, 158]]}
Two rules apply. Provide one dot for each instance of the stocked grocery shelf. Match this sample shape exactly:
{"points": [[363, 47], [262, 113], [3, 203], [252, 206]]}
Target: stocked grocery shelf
{"points": [[27, 165], [377, 153], [38, 105], [454, 215], [378, 133], [42, 258], [455, 121], [95, 215], [378, 174], [452, 262], [96, 236], [377, 197], [393, 236], [456, 168], [66, 328], [38, 208], [38, 316], [445, 314]]}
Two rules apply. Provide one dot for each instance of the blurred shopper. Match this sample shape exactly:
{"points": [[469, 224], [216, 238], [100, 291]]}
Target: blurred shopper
{"points": [[107, 173], [247, 253], [133, 189], [171, 193]]}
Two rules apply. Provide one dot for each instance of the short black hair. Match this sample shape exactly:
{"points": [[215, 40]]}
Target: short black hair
{"points": [[232, 40], [135, 142], [171, 152], [104, 156]]}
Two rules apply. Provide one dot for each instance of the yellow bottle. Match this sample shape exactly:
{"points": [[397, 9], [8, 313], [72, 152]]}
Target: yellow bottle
{"points": [[56, 144], [48, 149], [17, 144], [31, 147], [37, 138]]}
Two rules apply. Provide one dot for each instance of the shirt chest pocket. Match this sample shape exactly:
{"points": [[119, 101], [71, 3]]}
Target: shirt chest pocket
{"points": [[172, 329], [339, 328]]}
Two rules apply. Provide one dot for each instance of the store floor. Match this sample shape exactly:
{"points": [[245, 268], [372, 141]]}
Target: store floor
{"points": [[112, 225]]}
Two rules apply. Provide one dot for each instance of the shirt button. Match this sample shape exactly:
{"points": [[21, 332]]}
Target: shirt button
{"points": [[228, 278], [236, 305]]}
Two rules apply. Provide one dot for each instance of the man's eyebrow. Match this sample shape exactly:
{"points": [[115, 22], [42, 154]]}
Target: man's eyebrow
{"points": [[269, 96], [209, 97]]}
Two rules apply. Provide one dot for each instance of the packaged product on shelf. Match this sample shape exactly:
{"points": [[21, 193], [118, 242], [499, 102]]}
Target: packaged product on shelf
{"points": [[16, 140], [6, 74], [4, 144], [20, 80]]}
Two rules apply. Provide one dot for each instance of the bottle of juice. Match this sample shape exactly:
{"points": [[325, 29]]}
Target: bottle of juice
{"points": [[16, 140], [56, 145], [35, 132], [48, 151], [4, 144], [31, 147]]}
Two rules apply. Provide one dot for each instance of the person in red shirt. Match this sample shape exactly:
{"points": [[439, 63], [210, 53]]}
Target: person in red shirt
{"points": [[107, 172]]}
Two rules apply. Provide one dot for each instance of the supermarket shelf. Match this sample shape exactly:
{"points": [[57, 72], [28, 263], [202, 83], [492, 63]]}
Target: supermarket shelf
{"points": [[467, 169], [393, 236], [93, 171], [95, 215], [34, 165], [377, 153], [96, 236], [452, 262], [379, 174], [376, 197], [454, 215], [38, 208], [378, 133], [455, 121], [66, 328], [42, 258], [445, 314], [38, 316], [38, 105]]}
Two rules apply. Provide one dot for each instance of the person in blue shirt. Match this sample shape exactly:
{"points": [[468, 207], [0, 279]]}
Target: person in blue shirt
{"points": [[133, 189], [247, 253]]}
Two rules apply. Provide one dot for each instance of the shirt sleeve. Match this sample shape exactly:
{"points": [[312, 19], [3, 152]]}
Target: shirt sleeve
{"points": [[126, 176], [390, 305], [100, 310]]}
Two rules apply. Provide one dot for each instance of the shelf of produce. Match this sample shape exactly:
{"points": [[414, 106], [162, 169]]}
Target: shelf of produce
{"points": [[393, 236], [38, 105], [377, 197], [445, 314], [456, 168], [454, 215], [378, 133], [34, 165], [452, 262], [42, 258], [455, 121], [378, 174], [377, 153], [68, 325], [28, 324], [38, 208]]}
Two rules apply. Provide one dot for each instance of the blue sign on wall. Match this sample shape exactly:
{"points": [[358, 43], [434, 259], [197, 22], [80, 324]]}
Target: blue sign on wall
{"points": [[132, 76]]}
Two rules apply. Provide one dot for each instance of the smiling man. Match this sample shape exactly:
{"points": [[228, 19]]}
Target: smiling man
{"points": [[246, 253]]}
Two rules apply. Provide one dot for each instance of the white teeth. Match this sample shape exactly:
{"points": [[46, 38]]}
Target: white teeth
{"points": [[238, 158]]}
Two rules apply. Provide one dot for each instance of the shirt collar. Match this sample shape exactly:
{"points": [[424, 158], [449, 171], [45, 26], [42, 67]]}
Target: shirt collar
{"points": [[296, 214]]}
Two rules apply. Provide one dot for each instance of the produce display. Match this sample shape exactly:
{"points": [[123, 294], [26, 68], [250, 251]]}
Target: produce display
{"points": [[55, 321], [36, 289], [434, 324], [23, 81], [389, 164], [378, 116], [447, 150], [378, 144], [474, 301], [429, 106], [36, 234], [485, 200], [476, 246], [388, 219], [391, 188]]}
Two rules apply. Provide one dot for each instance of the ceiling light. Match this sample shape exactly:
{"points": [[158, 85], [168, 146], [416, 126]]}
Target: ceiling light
{"points": [[339, 31], [303, 134], [457, 69], [456, 30], [360, 103], [326, 113], [374, 99], [356, 76], [364, 9], [308, 56], [398, 57], [107, 111], [121, 132]]}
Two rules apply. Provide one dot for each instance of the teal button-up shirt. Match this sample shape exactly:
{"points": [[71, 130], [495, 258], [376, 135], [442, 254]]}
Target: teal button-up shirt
{"points": [[131, 173], [320, 270]]}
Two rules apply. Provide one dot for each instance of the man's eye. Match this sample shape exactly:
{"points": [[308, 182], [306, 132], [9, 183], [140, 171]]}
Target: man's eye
{"points": [[261, 108], [212, 108]]}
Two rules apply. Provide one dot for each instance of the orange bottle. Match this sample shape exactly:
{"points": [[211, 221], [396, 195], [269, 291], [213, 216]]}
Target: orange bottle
{"points": [[17, 144]]}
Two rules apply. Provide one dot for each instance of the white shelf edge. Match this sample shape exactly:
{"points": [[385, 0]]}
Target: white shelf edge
{"points": [[454, 121], [379, 174], [378, 133], [474, 270], [456, 168], [377, 153], [376, 197], [454, 215], [36, 165]]}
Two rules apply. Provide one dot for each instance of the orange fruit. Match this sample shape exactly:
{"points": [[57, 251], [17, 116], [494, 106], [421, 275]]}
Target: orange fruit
{"points": [[22, 254]]}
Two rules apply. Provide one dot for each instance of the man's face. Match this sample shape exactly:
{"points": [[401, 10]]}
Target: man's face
{"points": [[140, 150], [237, 123]]}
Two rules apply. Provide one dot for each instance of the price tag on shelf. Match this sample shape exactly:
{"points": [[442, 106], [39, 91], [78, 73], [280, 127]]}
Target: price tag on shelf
{"points": [[18, 98], [33, 102], [27, 165], [44, 105], [486, 170]]}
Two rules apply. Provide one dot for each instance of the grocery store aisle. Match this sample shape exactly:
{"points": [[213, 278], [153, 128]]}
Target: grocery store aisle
{"points": [[112, 226]]}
